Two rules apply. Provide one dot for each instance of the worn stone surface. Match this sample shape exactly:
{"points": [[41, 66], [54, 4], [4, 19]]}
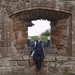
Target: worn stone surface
{"points": [[23, 63], [61, 58], [49, 58], [53, 70], [16, 17]]}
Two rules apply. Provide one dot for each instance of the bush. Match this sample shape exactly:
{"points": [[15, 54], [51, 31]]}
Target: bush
{"points": [[46, 33]]}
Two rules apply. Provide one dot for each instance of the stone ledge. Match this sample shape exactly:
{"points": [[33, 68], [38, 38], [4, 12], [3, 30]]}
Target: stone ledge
{"points": [[49, 58], [15, 58], [62, 58]]}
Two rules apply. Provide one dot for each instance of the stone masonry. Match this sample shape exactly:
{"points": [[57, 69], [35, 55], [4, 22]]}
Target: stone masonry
{"points": [[15, 18]]}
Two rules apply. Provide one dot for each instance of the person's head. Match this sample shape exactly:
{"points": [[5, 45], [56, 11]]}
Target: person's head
{"points": [[39, 38]]}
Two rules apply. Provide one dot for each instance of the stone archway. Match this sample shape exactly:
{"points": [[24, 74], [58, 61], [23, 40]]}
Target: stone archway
{"points": [[60, 27], [21, 13]]}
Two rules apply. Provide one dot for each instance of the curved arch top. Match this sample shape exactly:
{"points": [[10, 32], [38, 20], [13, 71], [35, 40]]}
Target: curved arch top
{"points": [[19, 6], [39, 13]]}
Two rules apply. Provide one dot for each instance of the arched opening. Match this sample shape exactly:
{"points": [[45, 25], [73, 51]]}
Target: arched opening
{"points": [[60, 28], [39, 27]]}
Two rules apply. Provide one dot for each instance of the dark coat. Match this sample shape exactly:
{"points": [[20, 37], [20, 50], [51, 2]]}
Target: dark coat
{"points": [[43, 45]]}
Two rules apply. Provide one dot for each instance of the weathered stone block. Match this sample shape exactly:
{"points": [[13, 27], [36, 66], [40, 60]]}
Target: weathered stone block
{"points": [[12, 35], [73, 47], [49, 58], [23, 63], [12, 51], [30, 70], [16, 57], [19, 27], [24, 33], [52, 49], [4, 62], [31, 61], [0, 1], [72, 58], [26, 57], [54, 32], [4, 52], [73, 70], [0, 26], [13, 63], [27, 52], [61, 58], [59, 47], [15, 1], [18, 71], [23, 27], [57, 41], [45, 64], [43, 71], [15, 27], [53, 70], [6, 2], [6, 72], [21, 41], [52, 64], [61, 51], [62, 25], [20, 51], [67, 68], [33, 70], [63, 32]]}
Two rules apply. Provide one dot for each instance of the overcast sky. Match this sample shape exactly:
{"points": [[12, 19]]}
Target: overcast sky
{"points": [[39, 27]]}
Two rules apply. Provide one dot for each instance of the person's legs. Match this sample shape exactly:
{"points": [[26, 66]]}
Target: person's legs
{"points": [[35, 57], [40, 60]]}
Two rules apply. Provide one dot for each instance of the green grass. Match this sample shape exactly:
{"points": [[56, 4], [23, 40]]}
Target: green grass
{"points": [[44, 38]]}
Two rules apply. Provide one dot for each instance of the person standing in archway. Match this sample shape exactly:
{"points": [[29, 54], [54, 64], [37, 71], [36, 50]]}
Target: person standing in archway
{"points": [[38, 50]]}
